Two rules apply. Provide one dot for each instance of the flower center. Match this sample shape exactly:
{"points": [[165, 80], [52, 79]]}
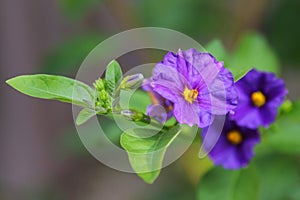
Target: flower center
{"points": [[234, 137], [258, 98], [190, 95]]}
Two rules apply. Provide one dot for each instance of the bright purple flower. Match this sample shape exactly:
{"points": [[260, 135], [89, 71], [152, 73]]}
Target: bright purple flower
{"points": [[160, 109], [260, 95], [197, 84], [234, 148]]}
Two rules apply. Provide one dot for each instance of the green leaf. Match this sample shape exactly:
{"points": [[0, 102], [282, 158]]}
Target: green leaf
{"points": [[283, 136], [84, 115], [223, 184], [53, 87], [252, 51], [217, 49], [113, 75], [146, 153], [239, 73]]}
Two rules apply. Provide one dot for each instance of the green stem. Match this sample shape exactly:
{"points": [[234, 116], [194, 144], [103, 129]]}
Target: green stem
{"points": [[153, 122]]}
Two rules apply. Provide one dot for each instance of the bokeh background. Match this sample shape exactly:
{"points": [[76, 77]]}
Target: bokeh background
{"points": [[41, 154]]}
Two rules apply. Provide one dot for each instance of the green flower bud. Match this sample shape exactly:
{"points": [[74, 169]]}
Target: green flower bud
{"points": [[132, 81], [103, 100], [103, 95], [97, 104], [133, 115], [99, 84], [286, 107]]}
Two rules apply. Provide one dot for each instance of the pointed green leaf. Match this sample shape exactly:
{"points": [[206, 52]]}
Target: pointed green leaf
{"points": [[252, 51], [219, 183], [217, 49], [84, 115], [113, 75], [146, 153], [53, 87], [240, 72]]}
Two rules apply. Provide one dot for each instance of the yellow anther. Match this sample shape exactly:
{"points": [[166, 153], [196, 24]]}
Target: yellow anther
{"points": [[258, 99], [190, 95], [234, 137]]}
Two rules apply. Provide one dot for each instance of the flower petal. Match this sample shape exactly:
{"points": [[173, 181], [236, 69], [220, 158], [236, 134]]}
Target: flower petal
{"points": [[185, 113]]}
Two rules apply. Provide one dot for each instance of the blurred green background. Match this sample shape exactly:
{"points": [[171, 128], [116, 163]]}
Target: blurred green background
{"points": [[41, 154]]}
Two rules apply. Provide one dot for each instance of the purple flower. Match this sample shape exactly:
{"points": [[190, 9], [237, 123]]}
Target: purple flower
{"points": [[234, 147], [160, 109], [260, 95], [197, 85]]}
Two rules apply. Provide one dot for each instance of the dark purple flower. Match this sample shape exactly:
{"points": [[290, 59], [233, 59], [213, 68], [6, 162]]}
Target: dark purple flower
{"points": [[197, 84], [160, 109], [260, 95], [234, 147]]}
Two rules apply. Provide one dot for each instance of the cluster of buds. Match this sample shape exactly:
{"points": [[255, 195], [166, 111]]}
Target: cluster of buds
{"points": [[107, 98], [103, 100]]}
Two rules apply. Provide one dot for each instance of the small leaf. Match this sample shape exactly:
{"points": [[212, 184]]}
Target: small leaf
{"points": [[84, 115], [252, 51], [219, 183], [217, 49], [113, 75], [146, 154], [53, 87]]}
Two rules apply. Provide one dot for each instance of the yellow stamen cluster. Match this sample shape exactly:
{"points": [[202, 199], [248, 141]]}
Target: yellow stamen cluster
{"points": [[258, 99], [234, 137], [190, 95]]}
